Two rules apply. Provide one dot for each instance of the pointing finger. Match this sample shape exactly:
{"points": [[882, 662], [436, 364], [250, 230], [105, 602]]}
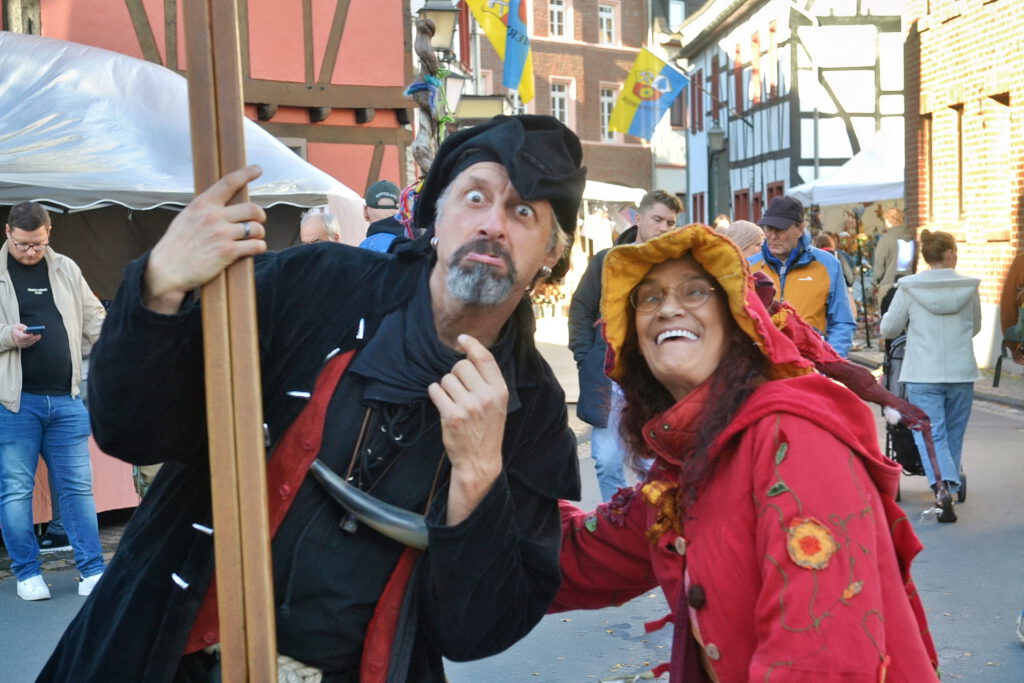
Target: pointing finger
{"points": [[481, 358]]}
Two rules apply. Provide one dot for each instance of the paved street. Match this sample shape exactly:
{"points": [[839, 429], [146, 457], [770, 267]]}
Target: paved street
{"points": [[969, 575]]}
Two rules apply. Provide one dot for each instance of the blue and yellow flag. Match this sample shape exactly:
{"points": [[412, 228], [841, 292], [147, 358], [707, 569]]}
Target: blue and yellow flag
{"points": [[650, 88], [504, 24]]}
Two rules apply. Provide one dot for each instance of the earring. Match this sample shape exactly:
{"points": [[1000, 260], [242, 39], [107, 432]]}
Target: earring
{"points": [[433, 242], [545, 272]]}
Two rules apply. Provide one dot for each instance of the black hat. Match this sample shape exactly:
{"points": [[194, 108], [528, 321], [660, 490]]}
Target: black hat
{"points": [[383, 194], [782, 213], [541, 155]]}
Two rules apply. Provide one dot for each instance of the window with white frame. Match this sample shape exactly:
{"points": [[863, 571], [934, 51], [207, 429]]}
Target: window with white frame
{"points": [[676, 13], [608, 97], [606, 24], [560, 101], [518, 106], [556, 18]]}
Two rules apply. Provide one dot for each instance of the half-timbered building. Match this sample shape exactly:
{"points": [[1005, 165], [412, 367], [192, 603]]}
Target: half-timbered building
{"points": [[783, 90]]}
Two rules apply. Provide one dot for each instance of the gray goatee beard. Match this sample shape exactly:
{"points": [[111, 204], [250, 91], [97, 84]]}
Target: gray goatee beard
{"points": [[478, 283]]}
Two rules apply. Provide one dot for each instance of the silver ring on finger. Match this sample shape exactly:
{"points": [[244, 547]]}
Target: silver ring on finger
{"points": [[246, 230]]}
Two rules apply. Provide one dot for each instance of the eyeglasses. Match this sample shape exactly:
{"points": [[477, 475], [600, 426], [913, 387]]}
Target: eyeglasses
{"points": [[690, 294], [28, 246]]}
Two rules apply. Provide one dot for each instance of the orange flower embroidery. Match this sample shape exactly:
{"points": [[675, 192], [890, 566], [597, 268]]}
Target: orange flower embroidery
{"points": [[810, 543], [853, 589], [662, 496]]}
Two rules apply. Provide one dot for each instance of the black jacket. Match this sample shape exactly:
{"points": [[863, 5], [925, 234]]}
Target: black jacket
{"points": [[587, 342], [482, 584]]}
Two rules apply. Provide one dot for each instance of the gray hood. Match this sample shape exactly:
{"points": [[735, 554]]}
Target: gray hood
{"points": [[942, 291]]}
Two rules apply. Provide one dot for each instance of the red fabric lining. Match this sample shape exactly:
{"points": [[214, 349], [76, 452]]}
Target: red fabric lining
{"points": [[381, 632], [285, 471]]}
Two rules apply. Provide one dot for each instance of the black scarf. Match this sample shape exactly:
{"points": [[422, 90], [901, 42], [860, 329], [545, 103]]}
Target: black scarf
{"points": [[405, 356]]}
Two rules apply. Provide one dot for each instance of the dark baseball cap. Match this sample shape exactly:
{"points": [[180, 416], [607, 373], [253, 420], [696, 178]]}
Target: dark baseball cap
{"points": [[782, 213], [383, 194]]}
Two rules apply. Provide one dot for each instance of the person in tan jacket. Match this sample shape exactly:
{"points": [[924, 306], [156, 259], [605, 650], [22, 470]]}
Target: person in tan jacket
{"points": [[895, 253], [1011, 306], [48, 318]]}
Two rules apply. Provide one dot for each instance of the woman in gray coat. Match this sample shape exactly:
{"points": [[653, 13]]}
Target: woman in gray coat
{"points": [[941, 312]]}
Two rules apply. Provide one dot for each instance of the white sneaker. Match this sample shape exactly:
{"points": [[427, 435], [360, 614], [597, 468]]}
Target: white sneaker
{"points": [[86, 585], [33, 588]]}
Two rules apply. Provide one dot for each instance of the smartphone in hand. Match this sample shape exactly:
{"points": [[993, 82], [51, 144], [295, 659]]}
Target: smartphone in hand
{"points": [[35, 329]]}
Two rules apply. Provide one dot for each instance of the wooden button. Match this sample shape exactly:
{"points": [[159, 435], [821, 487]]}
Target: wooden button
{"points": [[696, 597]]}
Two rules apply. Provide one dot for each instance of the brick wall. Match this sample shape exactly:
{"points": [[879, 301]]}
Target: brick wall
{"points": [[590, 66], [965, 89]]}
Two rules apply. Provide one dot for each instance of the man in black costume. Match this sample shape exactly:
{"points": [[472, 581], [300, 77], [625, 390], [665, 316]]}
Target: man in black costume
{"points": [[421, 386]]}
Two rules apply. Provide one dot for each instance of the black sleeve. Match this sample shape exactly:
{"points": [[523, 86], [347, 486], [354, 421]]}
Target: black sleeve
{"points": [[490, 579], [147, 392], [146, 395], [585, 309]]}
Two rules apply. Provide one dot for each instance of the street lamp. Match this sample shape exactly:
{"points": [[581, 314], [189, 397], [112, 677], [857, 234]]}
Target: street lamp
{"points": [[716, 145], [716, 137], [445, 17]]}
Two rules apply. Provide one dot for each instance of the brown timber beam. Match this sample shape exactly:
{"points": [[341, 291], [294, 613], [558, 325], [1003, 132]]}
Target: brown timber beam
{"points": [[320, 95], [339, 135]]}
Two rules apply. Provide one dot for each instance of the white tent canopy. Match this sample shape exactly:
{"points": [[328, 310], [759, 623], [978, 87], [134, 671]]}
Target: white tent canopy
{"points": [[83, 127], [610, 192], [873, 174]]}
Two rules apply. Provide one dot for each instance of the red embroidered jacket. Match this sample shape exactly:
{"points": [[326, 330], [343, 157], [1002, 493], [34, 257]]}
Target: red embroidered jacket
{"points": [[795, 560]]}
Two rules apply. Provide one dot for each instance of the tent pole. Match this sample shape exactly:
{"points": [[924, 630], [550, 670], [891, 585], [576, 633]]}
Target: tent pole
{"points": [[234, 409]]}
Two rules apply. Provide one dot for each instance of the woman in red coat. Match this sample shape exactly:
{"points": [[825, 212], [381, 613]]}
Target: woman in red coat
{"points": [[768, 518]]}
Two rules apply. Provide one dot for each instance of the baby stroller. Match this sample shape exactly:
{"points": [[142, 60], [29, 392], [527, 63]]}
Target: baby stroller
{"points": [[900, 446]]}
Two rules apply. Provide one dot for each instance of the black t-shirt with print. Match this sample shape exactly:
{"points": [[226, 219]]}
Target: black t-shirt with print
{"points": [[46, 365]]}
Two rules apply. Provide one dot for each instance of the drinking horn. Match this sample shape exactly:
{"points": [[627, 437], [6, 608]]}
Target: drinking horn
{"points": [[394, 522]]}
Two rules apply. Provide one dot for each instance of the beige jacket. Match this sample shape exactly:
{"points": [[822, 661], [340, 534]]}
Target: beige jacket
{"points": [[82, 312]]}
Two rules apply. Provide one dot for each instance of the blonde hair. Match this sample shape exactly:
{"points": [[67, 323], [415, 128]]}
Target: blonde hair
{"points": [[894, 216]]}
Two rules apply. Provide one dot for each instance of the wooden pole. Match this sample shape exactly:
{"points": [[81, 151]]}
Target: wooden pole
{"points": [[234, 409]]}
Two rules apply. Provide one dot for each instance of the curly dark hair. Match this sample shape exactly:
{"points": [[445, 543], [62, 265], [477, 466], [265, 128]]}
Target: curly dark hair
{"points": [[645, 397]]}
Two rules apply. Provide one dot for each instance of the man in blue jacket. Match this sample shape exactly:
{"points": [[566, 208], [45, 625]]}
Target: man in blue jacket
{"points": [[810, 279]]}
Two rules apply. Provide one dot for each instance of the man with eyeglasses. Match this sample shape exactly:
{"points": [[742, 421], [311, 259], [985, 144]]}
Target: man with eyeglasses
{"points": [[48, 318]]}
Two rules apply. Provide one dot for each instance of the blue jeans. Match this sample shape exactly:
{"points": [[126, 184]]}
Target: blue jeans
{"points": [[58, 428], [607, 450], [948, 406]]}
